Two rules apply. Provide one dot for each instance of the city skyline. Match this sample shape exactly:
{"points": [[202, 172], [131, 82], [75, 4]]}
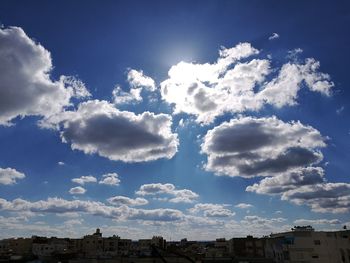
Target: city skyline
{"points": [[186, 118]]}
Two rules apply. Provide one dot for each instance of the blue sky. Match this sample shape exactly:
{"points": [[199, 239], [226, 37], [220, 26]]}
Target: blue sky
{"points": [[197, 119]]}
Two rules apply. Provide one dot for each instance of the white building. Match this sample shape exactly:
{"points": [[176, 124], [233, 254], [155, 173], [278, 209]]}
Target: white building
{"points": [[304, 245]]}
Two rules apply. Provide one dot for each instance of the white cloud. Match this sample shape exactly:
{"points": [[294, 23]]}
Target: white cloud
{"points": [[26, 87], [73, 222], [123, 97], [261, 221], [62, 206], [228, 86], [179, 195], [294, 53], [110, 179], [184, 196], [181, 123], [124, 200], [138, 82], [84, 179], [61, 163], [160, 214], [274, 36], [283, 89], [137, 79], [9, 176], [322, 198], [14, 226], [98, 127], [287, 181], [69, 215], [156, 188], [249, 147], [244, 205], [200, 221], [211, 210], [76, 85], [77, 190], [317, 222], [59, 206], [307, 186]]}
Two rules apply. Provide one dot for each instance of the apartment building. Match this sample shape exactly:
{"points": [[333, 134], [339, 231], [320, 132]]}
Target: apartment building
{"points": [[304, 245]]}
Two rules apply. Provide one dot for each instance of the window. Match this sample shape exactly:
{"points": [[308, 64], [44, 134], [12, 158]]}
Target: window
{"points": [[317, 242], [314, 256]]}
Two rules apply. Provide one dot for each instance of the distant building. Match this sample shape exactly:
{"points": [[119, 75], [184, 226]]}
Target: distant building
{"points": [[45, 248], [92, 245], [300, 245]]}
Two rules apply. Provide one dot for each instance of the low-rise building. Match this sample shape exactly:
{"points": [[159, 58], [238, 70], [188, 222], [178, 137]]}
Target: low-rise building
{"points": [[49, 247], [303, 244]]}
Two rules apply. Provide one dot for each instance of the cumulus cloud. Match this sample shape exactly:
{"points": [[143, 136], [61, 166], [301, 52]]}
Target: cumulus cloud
{"points": [[62, 206], [244, 205], [73, 222], [59, 206], [124, 200], [179, 195], [287, 181], [284, 152], [98, 127], [211, 210], [77, 190], [323, 198], [274, 36], [137, 79], [138, 82], [9, 176], [123, 97], [229, 86], [84, 179], [110, 179], [283, 89], [26, 87], [160, 214], [156, 188], [249, 147], [307, 186], [184, 196], [294, 53]]}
